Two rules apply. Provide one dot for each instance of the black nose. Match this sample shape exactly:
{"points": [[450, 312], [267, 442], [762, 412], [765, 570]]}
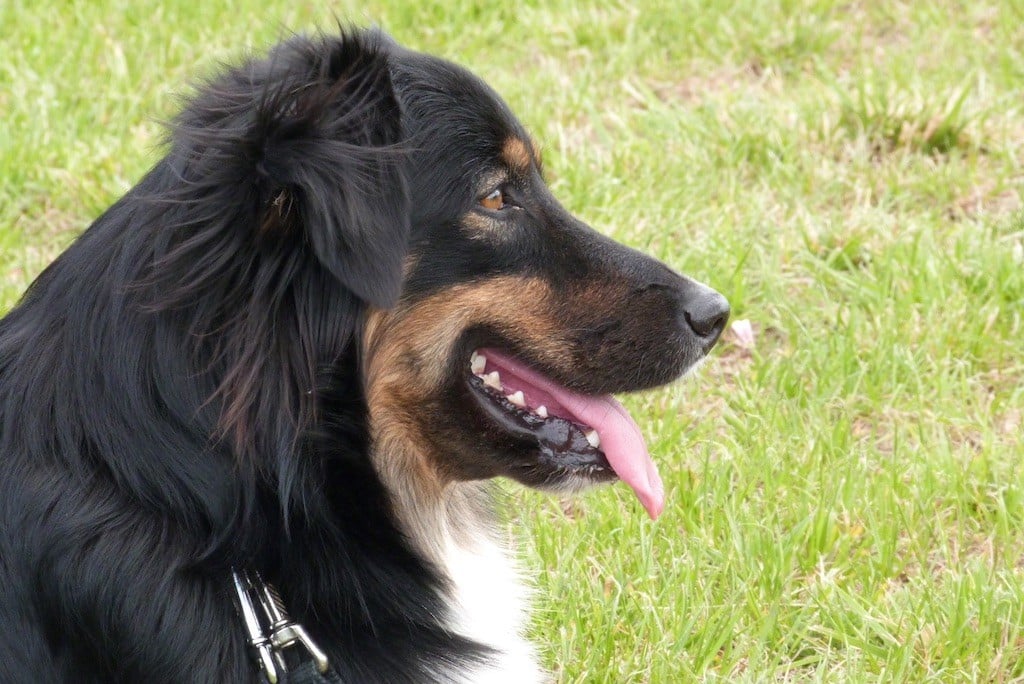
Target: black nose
{"points": [[707, 313]]}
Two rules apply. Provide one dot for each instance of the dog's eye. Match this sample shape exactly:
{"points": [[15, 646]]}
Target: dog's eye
{"points": [[494, 201]]}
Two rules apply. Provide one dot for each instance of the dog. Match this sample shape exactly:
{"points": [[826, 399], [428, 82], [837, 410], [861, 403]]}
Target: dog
{"points": [[298, 350]]}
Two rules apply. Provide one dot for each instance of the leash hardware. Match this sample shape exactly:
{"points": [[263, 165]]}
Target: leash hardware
{"points": [[283, 631], [257, 639]]}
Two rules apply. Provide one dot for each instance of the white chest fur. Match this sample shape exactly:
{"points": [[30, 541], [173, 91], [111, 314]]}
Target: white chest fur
{"points": [[490, 605], [453, 527]]}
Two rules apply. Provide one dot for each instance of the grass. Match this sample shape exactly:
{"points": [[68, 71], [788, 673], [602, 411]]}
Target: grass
{"points": [[846, 498]]}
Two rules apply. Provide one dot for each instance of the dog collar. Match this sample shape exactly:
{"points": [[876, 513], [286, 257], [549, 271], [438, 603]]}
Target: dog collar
{"points": [[274, 632]]}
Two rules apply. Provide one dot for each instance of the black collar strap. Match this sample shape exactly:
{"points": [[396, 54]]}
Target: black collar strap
{"points": [[274, 632]]}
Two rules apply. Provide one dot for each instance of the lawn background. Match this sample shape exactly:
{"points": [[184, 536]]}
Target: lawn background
{"points": [[846, 497]]}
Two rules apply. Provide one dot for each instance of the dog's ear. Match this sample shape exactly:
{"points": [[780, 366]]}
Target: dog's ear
{"points": [[279, 213], [331, 163], [317, 130]]}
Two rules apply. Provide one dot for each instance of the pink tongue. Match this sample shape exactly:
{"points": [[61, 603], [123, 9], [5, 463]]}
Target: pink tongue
{"points": [[622, 444], [621, 441]]}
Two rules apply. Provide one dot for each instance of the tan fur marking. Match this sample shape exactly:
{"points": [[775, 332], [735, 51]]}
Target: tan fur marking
{"points": [[417, 339], [517, 154], [407, 350]]}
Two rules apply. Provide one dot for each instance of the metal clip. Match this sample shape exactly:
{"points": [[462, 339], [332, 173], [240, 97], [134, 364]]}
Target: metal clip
{"points": [[283, 631], [257, 639]]}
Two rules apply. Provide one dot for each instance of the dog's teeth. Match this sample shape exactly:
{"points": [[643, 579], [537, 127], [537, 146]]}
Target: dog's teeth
{"points": [[542, 411], [477, 363], [593, 438], [493, 380], [517, 398]]}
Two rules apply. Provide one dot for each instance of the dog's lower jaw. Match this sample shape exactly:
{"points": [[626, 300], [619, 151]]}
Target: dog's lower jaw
{"points": [[454, 527]]}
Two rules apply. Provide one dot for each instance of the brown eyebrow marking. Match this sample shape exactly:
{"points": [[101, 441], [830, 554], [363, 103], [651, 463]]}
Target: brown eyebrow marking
{"points": [[519, 154]]}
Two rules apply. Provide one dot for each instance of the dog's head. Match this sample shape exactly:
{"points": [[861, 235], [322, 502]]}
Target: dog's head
{"points": [[494, 325], [516, 320]]}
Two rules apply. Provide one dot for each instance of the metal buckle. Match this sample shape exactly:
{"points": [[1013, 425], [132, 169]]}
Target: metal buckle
{"points": [[280, 632]]}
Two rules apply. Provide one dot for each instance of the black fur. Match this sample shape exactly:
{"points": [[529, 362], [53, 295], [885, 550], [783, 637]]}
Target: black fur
{"points": [[179, 395], [187, 389]]}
